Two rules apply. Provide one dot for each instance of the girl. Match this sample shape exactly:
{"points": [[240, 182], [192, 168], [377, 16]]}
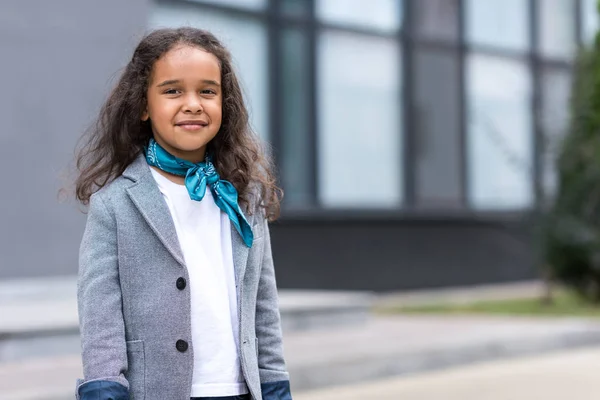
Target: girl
{"points": [[177, 295]]}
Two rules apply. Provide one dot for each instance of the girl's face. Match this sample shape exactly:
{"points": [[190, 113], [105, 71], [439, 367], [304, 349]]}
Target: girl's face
{"points": [[185, 101]]}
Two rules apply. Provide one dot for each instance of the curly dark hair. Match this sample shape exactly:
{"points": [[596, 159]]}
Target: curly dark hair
{"points": [[119, 135]]}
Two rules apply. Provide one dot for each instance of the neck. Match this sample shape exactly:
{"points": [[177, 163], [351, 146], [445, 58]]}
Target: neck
{"points": [[180, 180], [193, 156]]}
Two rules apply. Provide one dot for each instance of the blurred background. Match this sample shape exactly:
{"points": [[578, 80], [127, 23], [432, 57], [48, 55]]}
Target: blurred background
{"points": [[409, 130], [419, 144]]}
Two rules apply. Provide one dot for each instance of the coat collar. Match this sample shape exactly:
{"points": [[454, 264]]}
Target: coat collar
{"points": [[146, 196], [149, 201]]}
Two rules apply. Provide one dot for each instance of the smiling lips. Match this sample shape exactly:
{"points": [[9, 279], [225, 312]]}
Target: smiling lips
{"points": [[192, 125]]}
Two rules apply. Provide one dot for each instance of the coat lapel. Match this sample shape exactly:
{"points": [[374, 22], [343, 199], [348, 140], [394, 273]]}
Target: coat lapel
{"points": [[240, 256], [148, 200]]}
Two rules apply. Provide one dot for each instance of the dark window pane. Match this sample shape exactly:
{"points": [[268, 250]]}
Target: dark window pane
{"points": [[437, 19], [295, 93], [295, 7], [437, 130], [556, 89]]}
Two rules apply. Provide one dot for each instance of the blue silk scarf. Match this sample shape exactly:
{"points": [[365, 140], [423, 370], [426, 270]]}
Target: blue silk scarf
{"points": [[197, 178]]}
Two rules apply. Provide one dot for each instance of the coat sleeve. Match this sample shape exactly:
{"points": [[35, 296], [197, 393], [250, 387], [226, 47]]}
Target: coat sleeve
{"points": [[273, 374], [100, 307]]}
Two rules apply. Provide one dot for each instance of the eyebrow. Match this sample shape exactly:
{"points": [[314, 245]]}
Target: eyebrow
{"points": [[177, 81]]}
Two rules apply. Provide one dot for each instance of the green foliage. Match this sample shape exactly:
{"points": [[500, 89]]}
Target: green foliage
{"points": [[571, 230], [565, 304]]}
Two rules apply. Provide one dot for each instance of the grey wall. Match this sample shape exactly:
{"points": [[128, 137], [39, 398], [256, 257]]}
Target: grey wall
{"points": [[58, 60]]}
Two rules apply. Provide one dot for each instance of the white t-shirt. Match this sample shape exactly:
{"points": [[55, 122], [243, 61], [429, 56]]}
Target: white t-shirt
{"points": [[204, 234]]}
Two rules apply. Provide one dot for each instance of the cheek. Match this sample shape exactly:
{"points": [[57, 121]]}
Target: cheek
{"points": [[217, 112], [162, 110]]}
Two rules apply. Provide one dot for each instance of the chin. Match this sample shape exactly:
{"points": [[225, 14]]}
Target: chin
{"points": [[187, 143], [192, 144]]}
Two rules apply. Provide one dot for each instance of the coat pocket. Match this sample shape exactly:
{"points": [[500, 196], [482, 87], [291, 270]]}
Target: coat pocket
{"points": [[136, 370]]}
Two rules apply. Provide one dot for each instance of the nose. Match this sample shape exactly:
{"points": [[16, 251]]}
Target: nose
{"points": [[193, 105]]}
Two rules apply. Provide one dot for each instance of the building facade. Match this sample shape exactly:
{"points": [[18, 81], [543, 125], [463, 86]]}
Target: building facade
{"points": [[414, 138]]}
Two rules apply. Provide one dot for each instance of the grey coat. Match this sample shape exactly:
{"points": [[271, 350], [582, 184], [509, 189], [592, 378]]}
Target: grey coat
{"points": [[131, 311]]}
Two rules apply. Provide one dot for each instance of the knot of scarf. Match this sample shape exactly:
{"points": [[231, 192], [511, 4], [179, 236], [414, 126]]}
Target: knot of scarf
{"points": [[199, 177]]}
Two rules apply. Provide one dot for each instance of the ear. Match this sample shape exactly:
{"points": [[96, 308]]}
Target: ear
{"points": [[145, 115]]}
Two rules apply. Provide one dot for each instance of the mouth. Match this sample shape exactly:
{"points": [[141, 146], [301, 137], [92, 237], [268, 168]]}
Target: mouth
{"points": [[192, 125]]}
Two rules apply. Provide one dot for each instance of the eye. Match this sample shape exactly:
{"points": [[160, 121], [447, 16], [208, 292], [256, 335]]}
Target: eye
{"points": [[172, 91], [209, 91]]}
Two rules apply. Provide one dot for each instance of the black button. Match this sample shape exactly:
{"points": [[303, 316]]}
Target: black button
{"points": [[181, 345], [180, 283]]}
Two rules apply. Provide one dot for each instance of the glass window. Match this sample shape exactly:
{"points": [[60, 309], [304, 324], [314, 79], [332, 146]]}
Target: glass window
{"points": [[437, 19], [249, 4], [499, 133], [382, 15], [359, 144], [245, 38], [556, 91], [557, 28], [295, 7], [437, 129], [499, 23], [295, 95], [589, 15]]}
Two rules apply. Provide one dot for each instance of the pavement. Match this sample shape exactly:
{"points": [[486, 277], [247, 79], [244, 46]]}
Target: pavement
{"points": [[397, 345], [558, 376], [330, 338]]}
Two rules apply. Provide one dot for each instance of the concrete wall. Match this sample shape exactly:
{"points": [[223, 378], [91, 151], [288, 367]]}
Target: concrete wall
{"points": [[58, 60]]}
